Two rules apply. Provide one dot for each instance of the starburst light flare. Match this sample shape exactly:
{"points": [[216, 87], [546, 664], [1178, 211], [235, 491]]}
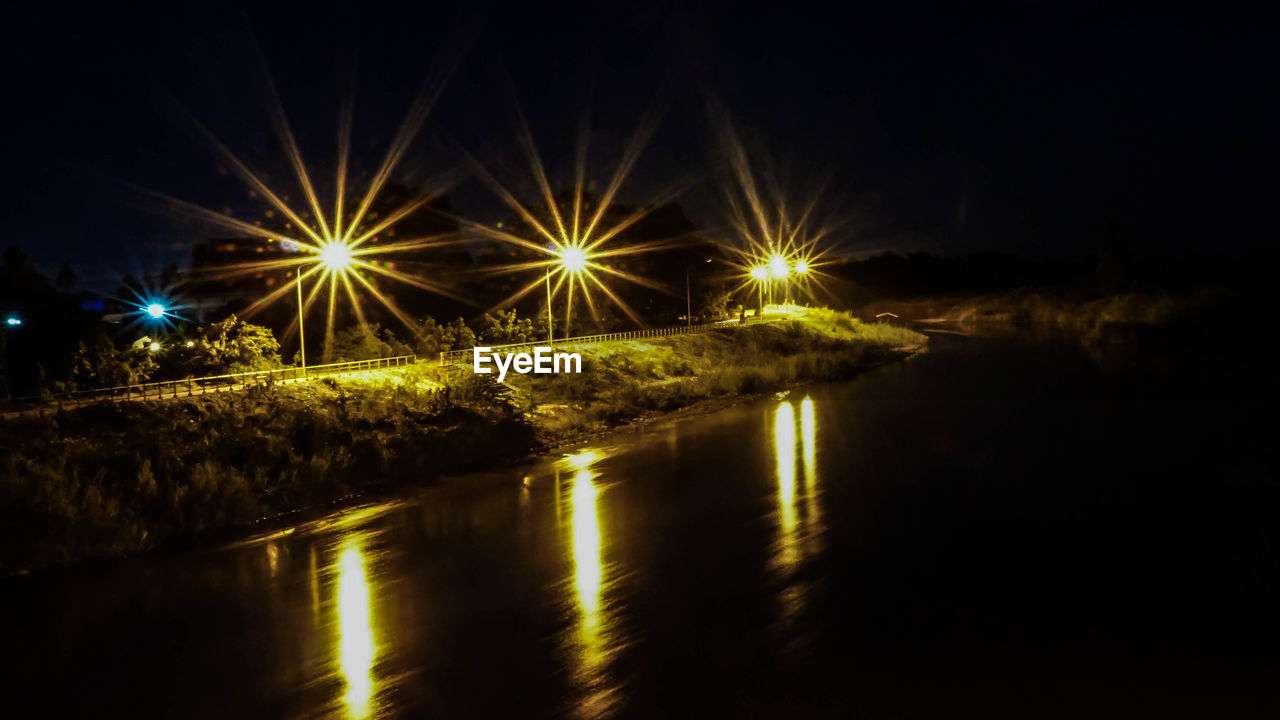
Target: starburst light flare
{"points": [[771, 239], [337, 253], [571, 245]]}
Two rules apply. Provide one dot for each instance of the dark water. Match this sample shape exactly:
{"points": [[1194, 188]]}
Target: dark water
{"points": [[994, 529]]}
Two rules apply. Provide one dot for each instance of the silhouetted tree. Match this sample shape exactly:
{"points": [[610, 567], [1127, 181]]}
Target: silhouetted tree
{"points": [[66, 280]]}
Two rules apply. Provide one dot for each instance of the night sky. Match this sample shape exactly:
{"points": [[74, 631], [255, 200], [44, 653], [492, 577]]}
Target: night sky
{"points": [[1027, 127]]}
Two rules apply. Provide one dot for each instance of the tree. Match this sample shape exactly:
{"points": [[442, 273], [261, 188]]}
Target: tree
{"points": [[507, 329], [459, 336], [230, 346], [66, 280], [102, 364], [367, 342]]}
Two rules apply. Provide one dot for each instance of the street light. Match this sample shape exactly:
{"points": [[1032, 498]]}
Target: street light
{"points": [[801, 267], [156, 310], [155, 346], [13, 321], [573, 259], [779, 269], [336, 256]]}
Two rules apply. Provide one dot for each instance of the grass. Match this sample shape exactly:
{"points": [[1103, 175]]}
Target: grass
{"points": [[112, 479], [625, 380]]}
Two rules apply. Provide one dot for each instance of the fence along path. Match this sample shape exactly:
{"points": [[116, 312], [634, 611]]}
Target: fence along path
{"points": [[453, 357], [235, 381], [197, 386]]}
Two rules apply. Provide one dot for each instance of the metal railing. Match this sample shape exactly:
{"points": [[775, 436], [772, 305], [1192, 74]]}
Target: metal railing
{"points": [[450, 357], [198, 386]]}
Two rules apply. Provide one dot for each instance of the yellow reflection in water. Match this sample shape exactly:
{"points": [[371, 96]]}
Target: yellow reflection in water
{"points": [[809, 455], [807, 432], [798, 532], [588, 571], [784, 442], [591, 635], [356, 648], [583, 459]]}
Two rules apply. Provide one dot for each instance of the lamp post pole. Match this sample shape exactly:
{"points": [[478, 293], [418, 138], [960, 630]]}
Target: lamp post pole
{"points": [[302, 338], [550, 323]]}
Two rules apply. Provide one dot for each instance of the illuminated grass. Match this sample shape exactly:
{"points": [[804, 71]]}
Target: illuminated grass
{"points": [[635, 378]]}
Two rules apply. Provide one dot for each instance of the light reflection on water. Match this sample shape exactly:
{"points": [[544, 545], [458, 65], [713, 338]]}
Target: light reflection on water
{"points": [[341, 594], [798, 532], [591, 641], [784, 444], [356, 646]]}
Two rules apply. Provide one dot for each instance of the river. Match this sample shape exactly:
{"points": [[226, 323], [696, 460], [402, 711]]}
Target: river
{"points": [[995, 528]]}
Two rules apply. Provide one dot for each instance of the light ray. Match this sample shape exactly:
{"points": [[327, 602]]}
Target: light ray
{"points": [[575, 240], [329, 247]]}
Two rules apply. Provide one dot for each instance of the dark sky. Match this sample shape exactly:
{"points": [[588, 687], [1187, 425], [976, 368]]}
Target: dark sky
{"points": [[1028, 127]]}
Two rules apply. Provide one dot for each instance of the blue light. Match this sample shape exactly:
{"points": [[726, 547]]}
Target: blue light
{"points": [[156, 310], [13, 321]]}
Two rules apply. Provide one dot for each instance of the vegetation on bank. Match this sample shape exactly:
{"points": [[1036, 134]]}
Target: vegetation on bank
{"points": [[1086, 316], [111, 479], [625, 380]]}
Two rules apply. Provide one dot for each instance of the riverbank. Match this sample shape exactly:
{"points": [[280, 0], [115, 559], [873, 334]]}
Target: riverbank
{"points": [[1206, 311], [114, 479]]}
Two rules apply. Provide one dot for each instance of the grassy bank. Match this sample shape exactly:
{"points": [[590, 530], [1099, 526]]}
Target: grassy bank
{"points": [[622, 381], [114, 479]]}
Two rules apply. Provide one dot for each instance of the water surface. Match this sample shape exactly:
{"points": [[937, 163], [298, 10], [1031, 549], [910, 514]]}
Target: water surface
{"points": [[996, 528]]}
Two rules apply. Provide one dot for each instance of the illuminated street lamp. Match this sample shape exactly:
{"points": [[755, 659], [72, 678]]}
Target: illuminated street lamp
{"points": [[156, 310], [778, 270], [155, 346], [13, 321], [801, 267], [573, 259], [336, 256], [778, 267]]}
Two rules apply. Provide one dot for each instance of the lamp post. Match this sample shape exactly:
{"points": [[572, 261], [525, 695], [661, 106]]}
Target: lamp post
{"points": [[302, 338], [760, 274], [550, 323]]}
